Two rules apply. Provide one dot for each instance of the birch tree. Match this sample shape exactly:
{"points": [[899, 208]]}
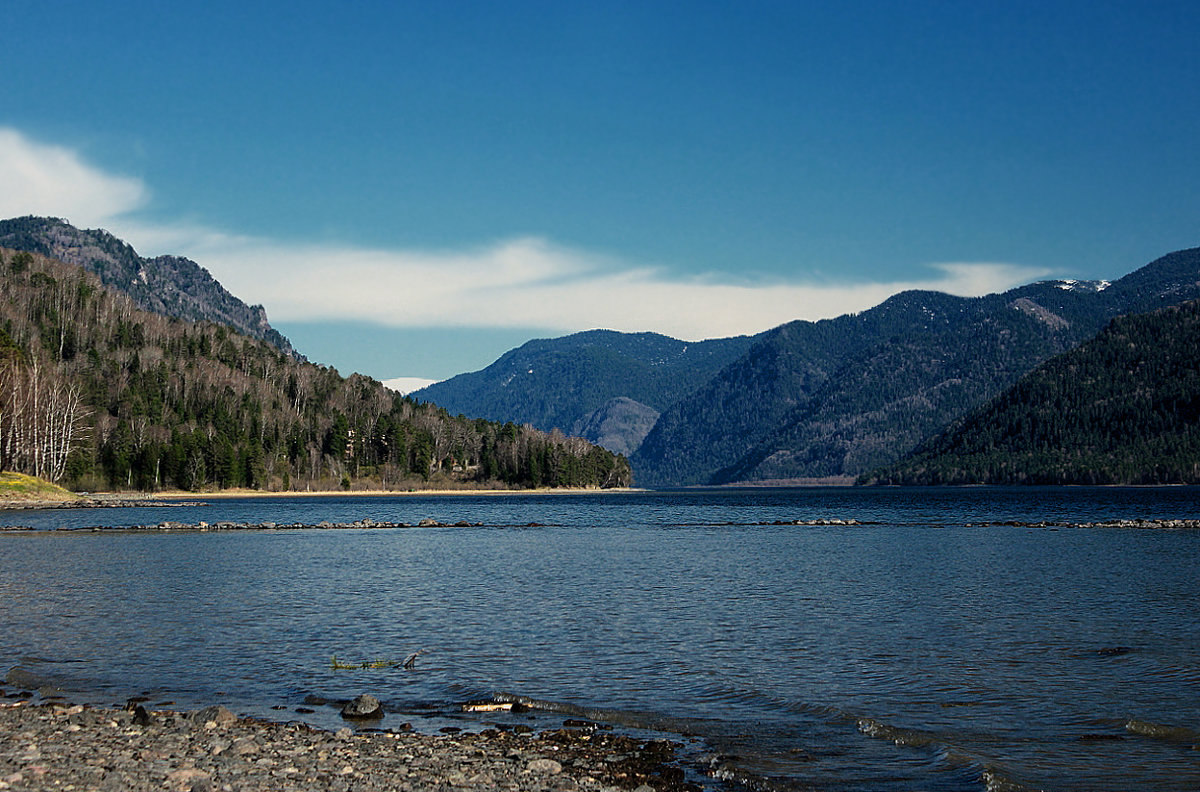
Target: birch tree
{"points": [[41, 420]]}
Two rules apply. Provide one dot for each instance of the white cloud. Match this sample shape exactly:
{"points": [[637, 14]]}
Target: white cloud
{"points": [[520, 282], [529, 282], [406, 385], [39, 179]]}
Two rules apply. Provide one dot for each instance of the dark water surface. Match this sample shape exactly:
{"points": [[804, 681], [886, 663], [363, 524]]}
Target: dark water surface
{"points": [[914, 652]]}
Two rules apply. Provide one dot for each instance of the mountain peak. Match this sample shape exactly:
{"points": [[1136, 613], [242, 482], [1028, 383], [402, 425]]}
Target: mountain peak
{"points": [[167, 285]]}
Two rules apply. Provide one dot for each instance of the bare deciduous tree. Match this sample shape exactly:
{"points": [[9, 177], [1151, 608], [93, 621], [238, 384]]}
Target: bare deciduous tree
{"points": [[41, 420]]}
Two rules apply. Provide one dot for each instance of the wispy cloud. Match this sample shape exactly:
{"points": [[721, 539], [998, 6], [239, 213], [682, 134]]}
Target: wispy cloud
{"points": [[531, 282], [519, 282], [41, 179]]}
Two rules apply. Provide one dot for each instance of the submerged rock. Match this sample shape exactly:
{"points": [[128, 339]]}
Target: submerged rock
{"points": [[1114, 651], [22, 678]]}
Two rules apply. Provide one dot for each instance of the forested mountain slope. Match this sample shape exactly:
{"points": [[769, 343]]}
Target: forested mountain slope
{"points": [[168, 285], [618, 425], [1123, 408], [842, 396], [561, 382], [100, 394]]}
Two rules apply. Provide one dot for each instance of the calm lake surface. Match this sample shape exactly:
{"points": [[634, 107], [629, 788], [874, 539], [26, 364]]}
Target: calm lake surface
{"points": [[916, 651]]}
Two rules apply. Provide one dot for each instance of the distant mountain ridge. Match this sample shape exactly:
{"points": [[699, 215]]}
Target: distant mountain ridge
{"points": [[843, 396], [559, 383], [826, 400], [166, 285], [1122, 408]]}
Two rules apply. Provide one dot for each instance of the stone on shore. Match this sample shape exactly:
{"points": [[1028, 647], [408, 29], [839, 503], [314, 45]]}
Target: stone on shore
{"points": [[546, 766], [218, 716], [363, 707]]}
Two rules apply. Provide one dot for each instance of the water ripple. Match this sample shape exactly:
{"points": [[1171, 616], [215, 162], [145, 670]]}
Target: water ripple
{"points": [[888, 656]]}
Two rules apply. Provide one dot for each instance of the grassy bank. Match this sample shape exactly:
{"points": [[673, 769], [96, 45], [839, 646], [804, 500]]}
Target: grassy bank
{"points": [[20, 488]]}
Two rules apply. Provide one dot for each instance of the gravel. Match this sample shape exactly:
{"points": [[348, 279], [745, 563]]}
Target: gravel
{"points": [[63, 747]]}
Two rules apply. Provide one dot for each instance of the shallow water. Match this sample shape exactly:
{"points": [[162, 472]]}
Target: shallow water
{"points": [[911, 652]]}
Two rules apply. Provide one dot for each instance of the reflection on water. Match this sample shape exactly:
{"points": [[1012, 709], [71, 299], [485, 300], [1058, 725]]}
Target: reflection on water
{"points": [[911, 652]]}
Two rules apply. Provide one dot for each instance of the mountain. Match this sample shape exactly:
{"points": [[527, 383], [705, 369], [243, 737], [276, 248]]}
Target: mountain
{"points": [[1123, 408], [561, 382], [167, 285], [839, 397], [619, 425], [101, 394]]}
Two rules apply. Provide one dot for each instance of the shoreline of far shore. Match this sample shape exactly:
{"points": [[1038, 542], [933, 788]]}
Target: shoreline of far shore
{"points": [[53, 744], [104, 500], [248, 493]]}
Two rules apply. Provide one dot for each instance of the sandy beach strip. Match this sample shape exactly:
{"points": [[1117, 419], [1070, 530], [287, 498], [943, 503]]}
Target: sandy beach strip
{"points": [[247, 493], [170, 497], [57, 746]]}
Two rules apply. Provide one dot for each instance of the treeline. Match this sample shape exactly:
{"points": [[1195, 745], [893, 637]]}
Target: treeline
{"points": [[1123, 408], [157, 402]]}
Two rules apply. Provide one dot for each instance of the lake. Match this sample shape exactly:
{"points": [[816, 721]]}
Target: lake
{"points": [[918, 649]]}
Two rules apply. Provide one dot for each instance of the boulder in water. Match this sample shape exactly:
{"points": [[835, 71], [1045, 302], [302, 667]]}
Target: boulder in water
{"points": [[363, 707]]}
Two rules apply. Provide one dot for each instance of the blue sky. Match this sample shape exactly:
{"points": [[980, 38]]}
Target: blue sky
{"points": [[413, 188]]}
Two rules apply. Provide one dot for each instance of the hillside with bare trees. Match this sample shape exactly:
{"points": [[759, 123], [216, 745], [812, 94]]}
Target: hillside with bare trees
{"points": [[99, 394]]}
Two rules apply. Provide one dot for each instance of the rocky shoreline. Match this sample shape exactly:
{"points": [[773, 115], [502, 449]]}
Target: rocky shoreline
{"points": [[55, 745], [93, 503], [369, 524], [1141, 524], [203, 527]]}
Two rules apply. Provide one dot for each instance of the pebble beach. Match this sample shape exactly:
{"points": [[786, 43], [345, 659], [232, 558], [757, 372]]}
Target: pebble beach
{"points": [[59, 746]]}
